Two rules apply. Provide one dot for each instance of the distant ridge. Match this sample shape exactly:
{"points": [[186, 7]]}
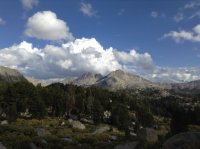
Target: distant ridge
{"points": [[119, 79], [115, 80], [188, 87]]}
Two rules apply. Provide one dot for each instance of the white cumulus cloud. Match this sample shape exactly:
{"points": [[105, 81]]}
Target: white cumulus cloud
{"points": [[29, 4], [135, 61], [45, 25], [72, 59], [87, 55], [182, 35]]}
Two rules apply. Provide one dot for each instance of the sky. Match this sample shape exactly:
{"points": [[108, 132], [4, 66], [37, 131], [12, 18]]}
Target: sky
{"points": [[48, 39]]}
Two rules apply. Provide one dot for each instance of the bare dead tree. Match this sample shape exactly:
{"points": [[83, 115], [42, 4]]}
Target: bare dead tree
{"points": [[71, 101]]}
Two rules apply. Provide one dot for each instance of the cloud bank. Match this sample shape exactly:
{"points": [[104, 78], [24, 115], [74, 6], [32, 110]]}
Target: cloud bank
{"points": [[72, 58], [87, 55]]}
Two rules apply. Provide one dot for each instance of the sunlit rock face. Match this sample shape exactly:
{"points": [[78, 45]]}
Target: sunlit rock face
{"points": [[10, 75]]}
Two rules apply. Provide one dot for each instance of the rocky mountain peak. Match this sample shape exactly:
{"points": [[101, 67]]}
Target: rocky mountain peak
{"points": [[10, 75], [119, 71], [121, 80], [90, 75], [87, 79]]}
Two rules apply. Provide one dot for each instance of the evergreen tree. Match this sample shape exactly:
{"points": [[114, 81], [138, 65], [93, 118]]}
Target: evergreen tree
{"points": [[120, 118], [180, 120], [97, 112], [37, 107], [197, 115], [144, 116], [10, 104], [89, 105]]}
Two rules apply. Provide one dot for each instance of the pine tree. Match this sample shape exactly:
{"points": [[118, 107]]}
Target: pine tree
{"points": [[97, 112]]}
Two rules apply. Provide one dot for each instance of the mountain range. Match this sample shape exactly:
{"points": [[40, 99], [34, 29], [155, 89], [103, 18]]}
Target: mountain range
{"points": [[189, 87], [114, 81]]}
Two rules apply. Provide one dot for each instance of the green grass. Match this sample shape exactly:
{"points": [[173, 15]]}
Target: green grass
{"points": [[19, 135]]}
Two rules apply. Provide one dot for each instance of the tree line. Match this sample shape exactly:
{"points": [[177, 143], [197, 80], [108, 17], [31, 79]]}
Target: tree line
{"points": [[59, 100]]}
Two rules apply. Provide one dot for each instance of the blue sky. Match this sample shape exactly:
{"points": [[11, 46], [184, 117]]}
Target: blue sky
{"points": [[167, 31]]}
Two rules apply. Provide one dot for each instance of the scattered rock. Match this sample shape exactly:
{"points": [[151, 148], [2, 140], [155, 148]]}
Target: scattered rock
{"points": [[133, 123], [5, 122], [3, 115], [41, 132], [2, 146], [43, 141], [107, 114], [113, 138], [115, 130], [187, 140], [33, 146], [26, 114], [84, 120], [74, 117], [67, 139], [101, 130], [70, 120], [129, 145], [63, 123], [133, 134], [148, 135], [76, 124]]}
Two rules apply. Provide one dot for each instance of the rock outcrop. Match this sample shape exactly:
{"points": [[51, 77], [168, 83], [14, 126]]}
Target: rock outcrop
{"points": [[187, 140], [148, 135], [76, 124], [2, 146]]}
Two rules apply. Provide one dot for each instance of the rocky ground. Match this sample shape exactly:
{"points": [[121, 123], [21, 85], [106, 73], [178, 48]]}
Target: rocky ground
{"points": [[59, 134]]}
